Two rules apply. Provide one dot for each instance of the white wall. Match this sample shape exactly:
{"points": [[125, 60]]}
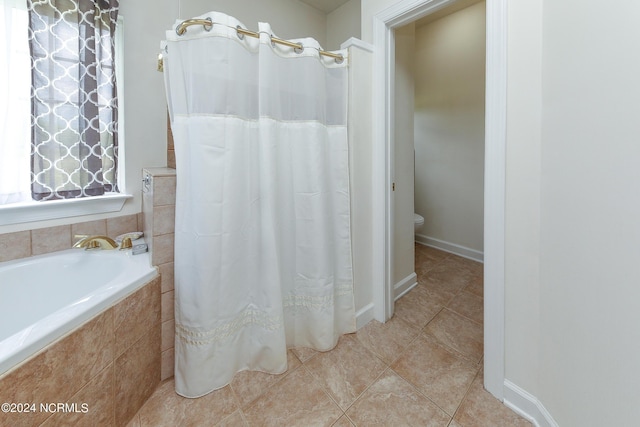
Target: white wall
{"points": [[342, 24], [360, 155], [403, 229], [522, 242], [590, 213], [449, 127], [288, 18]]}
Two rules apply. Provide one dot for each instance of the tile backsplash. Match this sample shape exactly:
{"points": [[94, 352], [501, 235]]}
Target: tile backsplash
{"points": [[22, 244]]}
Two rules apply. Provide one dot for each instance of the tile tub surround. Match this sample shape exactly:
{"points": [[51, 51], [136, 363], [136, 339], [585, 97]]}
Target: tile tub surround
{"points": [[158, 209], [111, 363], [23, 244]]}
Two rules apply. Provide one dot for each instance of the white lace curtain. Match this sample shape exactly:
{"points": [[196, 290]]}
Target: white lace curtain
{"points": [[262, 243], [15, 84]]}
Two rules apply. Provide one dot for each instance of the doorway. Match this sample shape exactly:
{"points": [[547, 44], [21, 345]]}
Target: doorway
{"points": [[384, 26]]}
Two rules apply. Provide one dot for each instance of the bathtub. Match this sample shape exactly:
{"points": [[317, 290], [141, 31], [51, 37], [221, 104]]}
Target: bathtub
{"points": [[45, 297]]}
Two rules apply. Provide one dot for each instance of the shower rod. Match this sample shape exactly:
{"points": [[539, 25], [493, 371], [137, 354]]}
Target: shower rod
{"points": [[208, 24]]}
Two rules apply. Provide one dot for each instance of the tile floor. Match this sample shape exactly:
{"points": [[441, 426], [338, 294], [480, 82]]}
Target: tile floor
{"points": [[422, 368]]}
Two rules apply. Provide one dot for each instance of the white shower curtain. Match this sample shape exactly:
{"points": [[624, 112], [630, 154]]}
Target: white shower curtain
{"points": [[262, 243]]}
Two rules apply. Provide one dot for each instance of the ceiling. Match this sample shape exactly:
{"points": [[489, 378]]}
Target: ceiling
{"points": [[325, 5]]}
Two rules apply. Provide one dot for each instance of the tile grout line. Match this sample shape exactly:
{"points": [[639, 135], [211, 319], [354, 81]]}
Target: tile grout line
{"points": [[466, 394]]}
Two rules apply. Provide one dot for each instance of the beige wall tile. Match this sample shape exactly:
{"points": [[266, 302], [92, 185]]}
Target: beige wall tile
{"points": [[167, 306], [122, 224], [90, 228], [162, 249], [168, 361], [15, 245], [50, 239], [170, 145], [164, 190], [171, 158], [58, 372], [137, 373], [168, 334], [135, 314], [164, 219], [140, 221], [166, 276], [98, 396]]}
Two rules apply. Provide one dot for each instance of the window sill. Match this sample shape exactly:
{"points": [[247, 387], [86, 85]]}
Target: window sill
{"points": [[17, 213]]}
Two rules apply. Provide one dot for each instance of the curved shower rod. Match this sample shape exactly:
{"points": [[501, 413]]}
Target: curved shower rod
{"points": [[208, 24]]}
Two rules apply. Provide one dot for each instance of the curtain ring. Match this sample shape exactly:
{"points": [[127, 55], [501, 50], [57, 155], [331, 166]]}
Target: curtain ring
{"points": [[238, 33], [208, 27], [298, 50]]}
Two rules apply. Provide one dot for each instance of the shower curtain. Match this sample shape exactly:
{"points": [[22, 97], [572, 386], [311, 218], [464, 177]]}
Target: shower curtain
{"points": [[262, 241]]}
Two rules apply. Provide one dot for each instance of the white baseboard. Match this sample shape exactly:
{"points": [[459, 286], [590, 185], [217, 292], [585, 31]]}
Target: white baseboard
{"points": [[450, 247], [527, 405], [404, 286], [364, 315]]}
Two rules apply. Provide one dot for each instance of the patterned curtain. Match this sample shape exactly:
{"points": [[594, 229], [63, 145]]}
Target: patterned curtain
{"points": [[74, 109]]}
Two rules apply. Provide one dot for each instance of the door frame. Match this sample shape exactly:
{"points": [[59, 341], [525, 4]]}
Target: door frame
{"points": [[384, 24]]}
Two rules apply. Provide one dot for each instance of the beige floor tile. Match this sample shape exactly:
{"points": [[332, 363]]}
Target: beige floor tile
{"points": [[439, 373], [481, 409], [474, 267], [391, 401], [468, 305], [419, 306], [447, 278], [233, 420], [427, 257], [458, 333], [297, 400], [344, 421], [166, 408], [476, 286], [387, 340], [346, 371], [249, 385], [303, 354]]}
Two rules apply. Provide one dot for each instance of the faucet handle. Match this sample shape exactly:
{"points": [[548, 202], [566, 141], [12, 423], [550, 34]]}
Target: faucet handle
{"points": [[126, 243], [93, 244]]}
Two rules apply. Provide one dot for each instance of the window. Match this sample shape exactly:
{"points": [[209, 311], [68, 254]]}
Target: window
{"points": [[59, 122]]}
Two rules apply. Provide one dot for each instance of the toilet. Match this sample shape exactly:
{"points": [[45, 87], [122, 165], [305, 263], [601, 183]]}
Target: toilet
{"points": [[418, 221]]}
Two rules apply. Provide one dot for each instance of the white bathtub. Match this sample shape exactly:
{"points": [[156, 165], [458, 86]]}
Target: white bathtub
{"points": [[44, 297]]}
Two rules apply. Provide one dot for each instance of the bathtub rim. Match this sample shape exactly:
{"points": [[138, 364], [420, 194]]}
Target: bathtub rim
{"points": [[16, 350]]}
